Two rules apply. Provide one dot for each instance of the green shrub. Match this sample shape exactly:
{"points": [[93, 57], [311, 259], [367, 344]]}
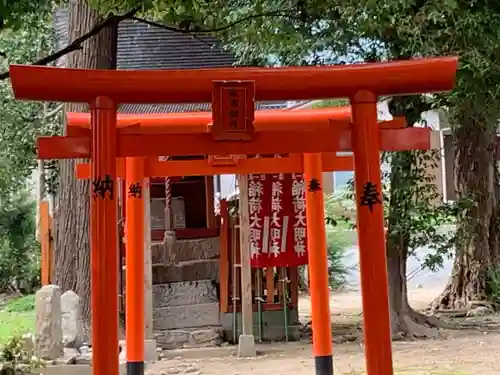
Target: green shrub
{"points": [[493, 284], [19, 250], [340, 212], [336, 245], [17, 356]]}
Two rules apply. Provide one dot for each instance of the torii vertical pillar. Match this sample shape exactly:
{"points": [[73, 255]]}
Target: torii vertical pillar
{"points": [[134, 329], [371, 238], [318, 264], [104, 246]]}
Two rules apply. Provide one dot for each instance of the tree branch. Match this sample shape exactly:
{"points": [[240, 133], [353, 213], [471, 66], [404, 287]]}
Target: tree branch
{"points": [[196, 29], [193, 30], [77, 43], [54, 111]]}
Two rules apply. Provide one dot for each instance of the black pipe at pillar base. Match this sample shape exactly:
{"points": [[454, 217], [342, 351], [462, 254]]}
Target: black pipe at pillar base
{"points": [[323, 364], [135, 368]]}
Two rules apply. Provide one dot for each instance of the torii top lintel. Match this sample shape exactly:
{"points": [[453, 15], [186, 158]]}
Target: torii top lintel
{"points": [[195, 86]]}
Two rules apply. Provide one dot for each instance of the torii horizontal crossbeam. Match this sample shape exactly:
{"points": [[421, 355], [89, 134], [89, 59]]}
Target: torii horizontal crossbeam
{"points": [[290, 164], [199, 122], [312, 120], [263, 118], [151, 145], [196, 86]]}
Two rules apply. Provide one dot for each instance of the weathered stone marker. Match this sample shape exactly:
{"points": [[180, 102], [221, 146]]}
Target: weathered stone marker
{"points": [[48, 331], [72, 328]]}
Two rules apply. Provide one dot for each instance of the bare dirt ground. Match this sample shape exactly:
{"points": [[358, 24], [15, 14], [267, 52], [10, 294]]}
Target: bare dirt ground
{"points": [[464, 352]]}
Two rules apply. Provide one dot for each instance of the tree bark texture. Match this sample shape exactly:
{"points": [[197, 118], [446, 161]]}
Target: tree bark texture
{"points": [[476, 182], [72, 229]]}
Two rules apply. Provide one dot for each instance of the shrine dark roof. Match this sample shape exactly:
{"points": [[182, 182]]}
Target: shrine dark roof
{"points": [[141, 46]]}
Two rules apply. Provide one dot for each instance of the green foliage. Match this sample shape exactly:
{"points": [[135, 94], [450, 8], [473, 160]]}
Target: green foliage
{"points": [[13, 13], [336, 244], [331, 103], [413, 29], [18, 354], [340, 211], [21, 304], [415, 213], [22, 121], [285, 32], [338, 271], [493, 284], [17, 317], [19, 250], [413, 210], [318, 32], [338, 214]]}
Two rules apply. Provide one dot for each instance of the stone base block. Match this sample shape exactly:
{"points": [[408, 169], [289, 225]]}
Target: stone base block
{"points": [[184, 293], [72, 370], [186, 250], [65, 370], [150, 350], [189, 316], [150, 353], [189, 338], [246, 346], [200, 270]]}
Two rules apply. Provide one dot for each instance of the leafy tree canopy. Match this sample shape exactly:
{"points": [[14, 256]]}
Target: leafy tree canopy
{"points": [[315, 32], [13, 13], [22, 121]]}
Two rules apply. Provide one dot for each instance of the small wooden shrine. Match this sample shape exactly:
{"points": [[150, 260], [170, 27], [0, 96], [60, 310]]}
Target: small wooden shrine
{"points": [[191, 200]]}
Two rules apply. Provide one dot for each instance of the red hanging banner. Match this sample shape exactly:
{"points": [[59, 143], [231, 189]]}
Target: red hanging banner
{"points": [[258, 189], [278, 235], [299, 232]]}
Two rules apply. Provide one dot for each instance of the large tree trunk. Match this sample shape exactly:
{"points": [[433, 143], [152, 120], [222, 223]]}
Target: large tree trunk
{"points": [[477, 226], [404, 320], [72, 230]]}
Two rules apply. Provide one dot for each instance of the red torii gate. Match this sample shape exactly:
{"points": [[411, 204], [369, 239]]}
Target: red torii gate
{"points": [[362, 84]]}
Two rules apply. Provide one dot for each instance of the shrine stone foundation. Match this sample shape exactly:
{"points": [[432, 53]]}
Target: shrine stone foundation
{"points": [[186, 310]]}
